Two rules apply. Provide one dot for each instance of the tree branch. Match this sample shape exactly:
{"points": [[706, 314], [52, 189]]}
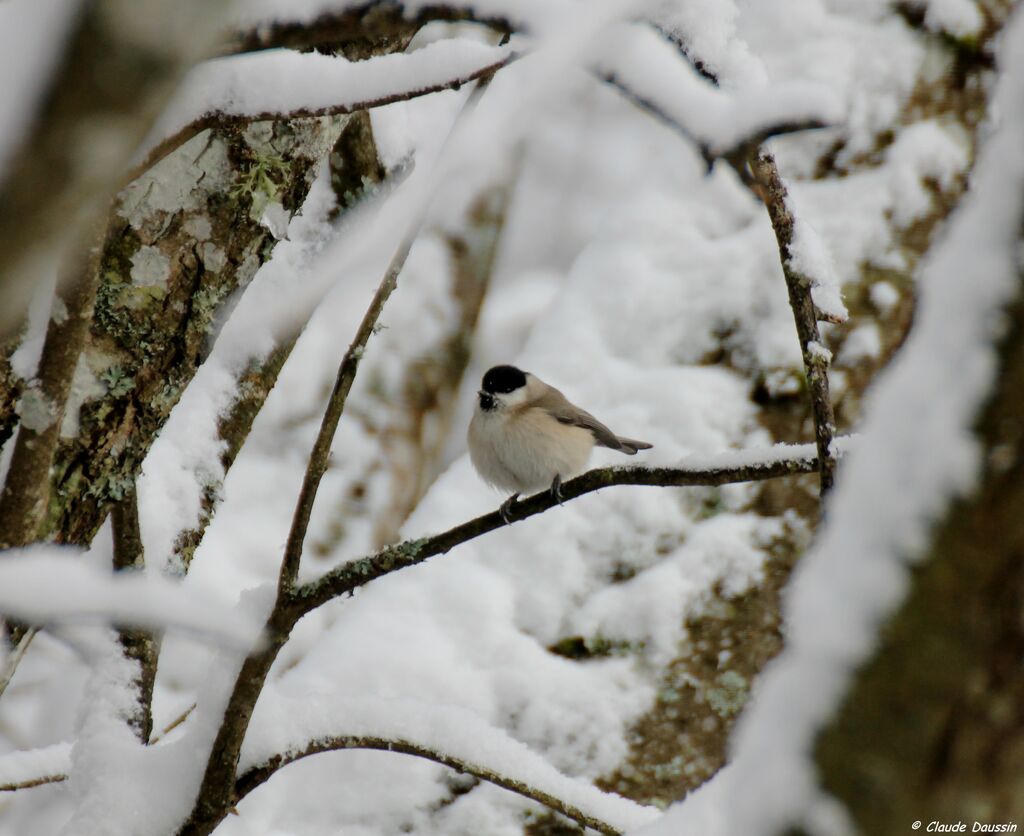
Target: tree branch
{"points": [[772, 190], [213, 799], [251, 779], [17, 654], [757, 170], [236, 121], [138, 644], [26, 490], [709, 154], [33, 782], [350, 576]]}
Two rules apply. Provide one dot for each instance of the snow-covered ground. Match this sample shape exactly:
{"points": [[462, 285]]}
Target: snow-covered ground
{"points": [[622, 267]]}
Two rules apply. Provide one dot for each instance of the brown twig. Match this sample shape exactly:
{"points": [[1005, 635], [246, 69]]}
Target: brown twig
{"points": [[756, 168], [26, 491], [254, 777], [222, 121], [17, 654], [350, 576], [33, 782], [138, 644], [214, 796], [772, 189]]}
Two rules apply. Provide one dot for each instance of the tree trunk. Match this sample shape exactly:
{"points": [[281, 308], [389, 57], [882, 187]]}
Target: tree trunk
{"points": [[933, 727]]}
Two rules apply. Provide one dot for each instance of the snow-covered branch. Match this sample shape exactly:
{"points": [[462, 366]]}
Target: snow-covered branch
{"points": [[35, 767], [647, 69], [288, 729], [770, 186], [251, 779], [237, 91], [734, 131]]}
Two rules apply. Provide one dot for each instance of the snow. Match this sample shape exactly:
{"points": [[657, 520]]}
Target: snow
{"points": [[863, 343], [46, 584], [718, 119], [290, 724], [809, 256], [961, 18], [284, 81], [884, 297], [917, 454], [19, 767]]}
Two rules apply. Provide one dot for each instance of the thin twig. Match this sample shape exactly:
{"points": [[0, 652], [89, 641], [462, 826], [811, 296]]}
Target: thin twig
{"points": [[709, 153], [320, 454], [33, 782], [138, 644], [253, 778], [171, 726], [224, 121], [350, 576], [213, 799], [756, 168], [15, 658], [773, 193]]}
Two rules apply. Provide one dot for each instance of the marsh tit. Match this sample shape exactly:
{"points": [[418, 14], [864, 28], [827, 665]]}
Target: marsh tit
{"points": [[526, 435]]}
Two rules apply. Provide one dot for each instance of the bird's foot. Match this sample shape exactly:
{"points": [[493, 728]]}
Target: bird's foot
{"points": [[556, 488], [506, 508]]}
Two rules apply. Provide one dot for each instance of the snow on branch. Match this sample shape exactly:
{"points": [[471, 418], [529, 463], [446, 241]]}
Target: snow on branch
{"points": [[281, 84], [646, 68], [47, 584], [451, 736], [35, 767], [729, 468]]}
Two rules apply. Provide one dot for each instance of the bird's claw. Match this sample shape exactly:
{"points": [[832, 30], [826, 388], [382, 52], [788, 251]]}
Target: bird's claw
{"points": [[556, 488], [506, 508]]}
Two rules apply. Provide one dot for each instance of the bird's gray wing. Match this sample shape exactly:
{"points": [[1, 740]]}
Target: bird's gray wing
{"points": [[559, 407]]}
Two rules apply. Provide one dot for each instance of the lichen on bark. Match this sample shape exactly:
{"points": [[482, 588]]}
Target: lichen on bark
{"points": [[181, 240]]}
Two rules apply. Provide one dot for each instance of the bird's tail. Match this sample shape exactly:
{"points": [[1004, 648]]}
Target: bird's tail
{"points": [[630, 446]]}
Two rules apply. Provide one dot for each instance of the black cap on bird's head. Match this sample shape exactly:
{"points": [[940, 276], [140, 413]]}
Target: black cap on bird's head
{"points": [[501, 380]]}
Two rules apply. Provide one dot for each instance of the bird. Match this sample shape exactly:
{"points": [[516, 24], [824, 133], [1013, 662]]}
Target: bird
{"points": [[526, 435]]}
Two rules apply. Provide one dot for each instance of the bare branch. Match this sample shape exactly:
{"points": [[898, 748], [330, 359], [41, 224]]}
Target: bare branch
{"points": [[17, 654], [138, 644], [357, 573], [772, 190], [171, 726], [236, 121], [32, 782], [756, 168], [26, 491], [213, 799], [317, 464], [259, 774]]}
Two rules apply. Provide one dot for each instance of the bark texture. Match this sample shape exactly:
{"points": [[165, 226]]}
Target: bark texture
{"points": [[933, 728]]}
